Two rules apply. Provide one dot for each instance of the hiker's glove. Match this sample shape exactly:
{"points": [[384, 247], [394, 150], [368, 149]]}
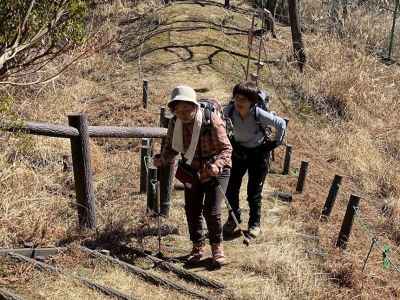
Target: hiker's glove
{"points": [[271, 145], [208, 172], [213, 170]]}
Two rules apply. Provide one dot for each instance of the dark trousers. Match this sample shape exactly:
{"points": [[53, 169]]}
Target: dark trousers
{"points": [[206, 200], [255, 162]]}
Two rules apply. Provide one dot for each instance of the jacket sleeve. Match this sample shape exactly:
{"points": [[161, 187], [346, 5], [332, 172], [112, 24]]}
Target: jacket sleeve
{"points": [[167, 153], [269, 119], [221, 142]]}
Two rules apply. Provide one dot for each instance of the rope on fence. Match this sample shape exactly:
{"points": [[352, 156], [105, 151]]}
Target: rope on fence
{"points": [[376, 242]]}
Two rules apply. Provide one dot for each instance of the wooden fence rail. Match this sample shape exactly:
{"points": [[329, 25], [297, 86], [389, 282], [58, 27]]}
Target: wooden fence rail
{"points": [[65, 131], [79, 133]]}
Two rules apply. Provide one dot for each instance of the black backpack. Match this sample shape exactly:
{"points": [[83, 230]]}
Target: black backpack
{"points": [[262, 103]]}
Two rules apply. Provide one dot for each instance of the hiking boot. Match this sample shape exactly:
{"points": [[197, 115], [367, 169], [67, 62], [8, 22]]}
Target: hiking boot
{"points": [[229, 227], [254, 231], [197, 253], [218, 256]]}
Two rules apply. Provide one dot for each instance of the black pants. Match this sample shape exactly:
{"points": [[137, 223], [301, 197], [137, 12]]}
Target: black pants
{"points": [[255, 162], [206, 200]]}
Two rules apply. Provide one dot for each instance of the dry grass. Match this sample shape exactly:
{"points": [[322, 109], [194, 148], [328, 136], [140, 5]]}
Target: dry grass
{"points": [[343, 109]]}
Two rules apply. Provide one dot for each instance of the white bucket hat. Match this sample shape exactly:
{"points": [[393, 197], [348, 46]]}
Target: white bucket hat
{"points": [[183, 93]]}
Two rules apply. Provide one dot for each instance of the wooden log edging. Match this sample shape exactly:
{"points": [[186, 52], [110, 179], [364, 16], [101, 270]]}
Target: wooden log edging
{"points": [[145, 275], [34, 252], [90, 284], [64, 131], [7, 295], [181, 272]]}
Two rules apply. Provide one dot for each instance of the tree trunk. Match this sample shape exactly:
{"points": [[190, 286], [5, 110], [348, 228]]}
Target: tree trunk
{"points": [[298, 46]]}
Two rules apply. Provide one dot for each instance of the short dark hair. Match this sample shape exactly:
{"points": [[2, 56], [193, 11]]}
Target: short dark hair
{"points": [[247, 89]]}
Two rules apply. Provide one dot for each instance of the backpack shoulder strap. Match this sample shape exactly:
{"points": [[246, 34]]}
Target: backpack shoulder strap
{"points": [[207, 115], [257, 114], [257, 118], [231, 109]]}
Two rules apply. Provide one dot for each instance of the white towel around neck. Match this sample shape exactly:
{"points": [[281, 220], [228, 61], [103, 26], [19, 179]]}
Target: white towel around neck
{"points": [[177, 139]]}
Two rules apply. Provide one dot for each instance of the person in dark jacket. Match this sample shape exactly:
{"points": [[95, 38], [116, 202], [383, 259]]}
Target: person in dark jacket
{"points": [[206, 154], [251, 151]]}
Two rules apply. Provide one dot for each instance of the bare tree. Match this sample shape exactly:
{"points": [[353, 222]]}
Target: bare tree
{"points": [[34, 33]]}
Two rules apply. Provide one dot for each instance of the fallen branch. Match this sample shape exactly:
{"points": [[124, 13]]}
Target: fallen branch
{"points": [[181, 272], [90, 284], [34, 252], [145, 275], [6, 295]]}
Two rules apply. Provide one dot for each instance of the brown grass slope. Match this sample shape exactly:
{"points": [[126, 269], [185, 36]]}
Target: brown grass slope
{"points": [[343, 118]]}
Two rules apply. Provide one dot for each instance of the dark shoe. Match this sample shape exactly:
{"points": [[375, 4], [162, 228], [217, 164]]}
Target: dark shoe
{"points": [[218, 256], [254, 231], [197, 253], [229, 227]]}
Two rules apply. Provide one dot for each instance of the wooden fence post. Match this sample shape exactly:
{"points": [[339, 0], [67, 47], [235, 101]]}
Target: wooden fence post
{"points": [[227, 4], [288, 157], [297, 39], [80, 150], [165, 173], [330, 200], [347, 224], [145, 93], [145, 153], [302, 176], [393, 30], [152, 189]]}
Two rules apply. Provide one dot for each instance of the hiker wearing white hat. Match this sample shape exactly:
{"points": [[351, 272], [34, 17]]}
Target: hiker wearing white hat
{"points": [[206, 160]]}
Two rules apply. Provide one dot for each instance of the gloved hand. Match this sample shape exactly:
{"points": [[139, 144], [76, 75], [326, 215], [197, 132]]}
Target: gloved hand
{"points": [[271, 145], [208, 172]]}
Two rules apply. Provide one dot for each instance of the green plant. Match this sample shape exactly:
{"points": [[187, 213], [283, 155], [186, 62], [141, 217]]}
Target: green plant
{"points": [[36, 32]]}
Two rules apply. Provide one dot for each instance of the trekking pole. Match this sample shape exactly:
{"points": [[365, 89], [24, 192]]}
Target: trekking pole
{"points": [[246, 240]]}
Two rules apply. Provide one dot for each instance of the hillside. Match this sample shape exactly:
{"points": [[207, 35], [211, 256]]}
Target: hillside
{"points": [[343, 113]]}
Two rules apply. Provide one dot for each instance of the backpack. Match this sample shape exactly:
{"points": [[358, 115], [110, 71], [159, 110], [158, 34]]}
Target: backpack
{"points": [[210, 106], [262, 103]]}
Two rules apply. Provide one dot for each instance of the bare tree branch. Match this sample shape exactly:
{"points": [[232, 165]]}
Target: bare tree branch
{"points": [[88, 51]]}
